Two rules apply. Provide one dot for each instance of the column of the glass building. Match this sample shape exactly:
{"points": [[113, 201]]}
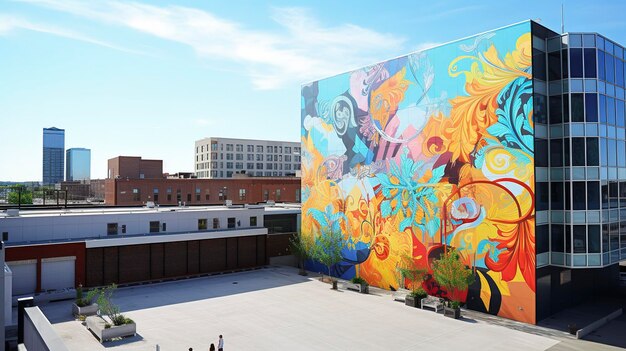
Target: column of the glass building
{"points": [[587, 152]]}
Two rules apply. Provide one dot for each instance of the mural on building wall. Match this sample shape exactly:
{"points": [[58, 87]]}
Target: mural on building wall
{"points": [[425, 151]]}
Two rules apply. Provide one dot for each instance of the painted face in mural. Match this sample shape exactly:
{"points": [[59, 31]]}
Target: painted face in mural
{"points": [[427, 151]]}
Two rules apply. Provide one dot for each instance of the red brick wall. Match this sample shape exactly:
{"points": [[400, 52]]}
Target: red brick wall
{"points": [[132, 167], [119, 192]]}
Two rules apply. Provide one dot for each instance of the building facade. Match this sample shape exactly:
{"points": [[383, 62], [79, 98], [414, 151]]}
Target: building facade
{"points": [[133, 167], [53, 155], [58, 249], [224, 157], [507, 146], [78, 164]]}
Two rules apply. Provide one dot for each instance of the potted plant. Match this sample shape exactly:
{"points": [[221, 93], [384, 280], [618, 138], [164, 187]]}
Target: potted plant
{"points": [[410, 272], [111, 323], [327, 250], [362, 283], [84, 305], [301, 246], [414, 298], [451, 274]]}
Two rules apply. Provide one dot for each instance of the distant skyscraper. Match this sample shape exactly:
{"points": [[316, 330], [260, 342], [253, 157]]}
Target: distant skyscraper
{"points": [[78, 164], [53, 155]]}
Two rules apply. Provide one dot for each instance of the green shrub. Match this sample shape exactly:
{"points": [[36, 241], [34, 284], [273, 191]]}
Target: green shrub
{"points": [[418, 293], [358, 280], [454, 304], [107, 325]]}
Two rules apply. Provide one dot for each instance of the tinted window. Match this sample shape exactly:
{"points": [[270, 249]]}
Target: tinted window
{"points": [[578, 151], [593, 238], [541, 153], [539, 64], [593, 195], [557, 195], [601, 72], [556, 152], [542, 238], [591, 107], [579, 193], [610, 110], [564, 63], [558, 243], [619, 113], [602, 109], [590, 63], [231, 222], [619, 72], [555, 109], [576, 63], [540, 111], [580, 239], [609, 66], [578, 108], [592, 152], [542, 196], [554, 66], [621, 153], [612, 148]]}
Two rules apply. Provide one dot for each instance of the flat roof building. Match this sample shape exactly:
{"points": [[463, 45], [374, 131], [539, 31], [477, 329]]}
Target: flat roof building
{"points": [[224, 157], [78, 164], [509, 146]]}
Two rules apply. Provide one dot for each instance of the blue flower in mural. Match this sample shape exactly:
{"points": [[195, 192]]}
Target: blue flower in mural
{"points": [[327, 219], [513, 128], [403, 193]]}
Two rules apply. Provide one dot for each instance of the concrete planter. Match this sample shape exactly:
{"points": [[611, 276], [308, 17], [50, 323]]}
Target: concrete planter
{"points": [[97, 326], [452, 312], [88, 310], [362, 288], [411, 301]]}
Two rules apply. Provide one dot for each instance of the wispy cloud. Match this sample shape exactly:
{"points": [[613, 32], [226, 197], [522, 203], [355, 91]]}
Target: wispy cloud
{"points": [[303, 49], [10, 23]]}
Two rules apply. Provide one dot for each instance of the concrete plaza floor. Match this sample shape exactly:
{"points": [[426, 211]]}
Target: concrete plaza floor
{"points": [[276, 309]]}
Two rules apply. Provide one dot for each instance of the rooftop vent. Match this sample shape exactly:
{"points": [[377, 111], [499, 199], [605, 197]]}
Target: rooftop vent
{"points": [[13, 212]]}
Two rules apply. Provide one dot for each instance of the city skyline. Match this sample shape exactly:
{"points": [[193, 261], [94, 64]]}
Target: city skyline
{"points": [[147, 79]]}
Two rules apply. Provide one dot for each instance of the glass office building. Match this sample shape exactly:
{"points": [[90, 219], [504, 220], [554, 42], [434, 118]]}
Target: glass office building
{"points": [[53, 155], [78, 164]]}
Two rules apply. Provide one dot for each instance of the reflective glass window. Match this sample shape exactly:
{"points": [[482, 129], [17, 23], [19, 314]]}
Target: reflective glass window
{"points": [[621, 153], [593, 238], [564, 69], [590, 63], [619, 113], [578, 151], [554, 66], [579, 192], [622, 194], [556, 152], [576, 63], [605, 195], [542, 196], [542, 239], [540, 109], [593, 195], [539, 64], [591, 107], [592, 152], [556, 109], [601, 70], [578, 108], [610, 110], [580, 239], [541, 152], [619, 72], [557, 197], [557, 234], [611, 152], [609, 66], [602, 108]]}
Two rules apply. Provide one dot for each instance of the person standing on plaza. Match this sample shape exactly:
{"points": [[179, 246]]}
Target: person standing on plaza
{"points": [[220, 344], [212, 347]]}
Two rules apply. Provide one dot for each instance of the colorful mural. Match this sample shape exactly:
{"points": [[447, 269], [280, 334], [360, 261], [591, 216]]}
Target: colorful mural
{"points": [[424, 151]]}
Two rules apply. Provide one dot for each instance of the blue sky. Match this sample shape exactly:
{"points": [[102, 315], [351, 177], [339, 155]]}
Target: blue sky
{"points": [[149, 78]]}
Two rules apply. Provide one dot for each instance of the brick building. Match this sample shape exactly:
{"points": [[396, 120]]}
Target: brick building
{"points": [[133, 181]]}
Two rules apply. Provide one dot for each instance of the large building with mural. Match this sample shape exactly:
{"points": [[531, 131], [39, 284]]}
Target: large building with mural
{"points": [[508, 146]]}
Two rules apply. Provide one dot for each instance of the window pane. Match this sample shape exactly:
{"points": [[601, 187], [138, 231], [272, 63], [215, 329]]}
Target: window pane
{"points": [[592, 152], [611, 152], [556, 152], [556, 109], [557, 195], [619, 72], [542, 196], [622, 194], [539, 64], [603, 159], [542, 238], [540, 109], [576, 63], [610, 110], [619, 113], [605, 196], [590, 63], [580, 239], [578, 151], [593, 195], [609, 67], [602, 109], [558, 242], [541, 153], [593, 241], [591, 107], [621, 153], [564, 63], [579, 193], [554, 66], [601, 71], [578, 108]]}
